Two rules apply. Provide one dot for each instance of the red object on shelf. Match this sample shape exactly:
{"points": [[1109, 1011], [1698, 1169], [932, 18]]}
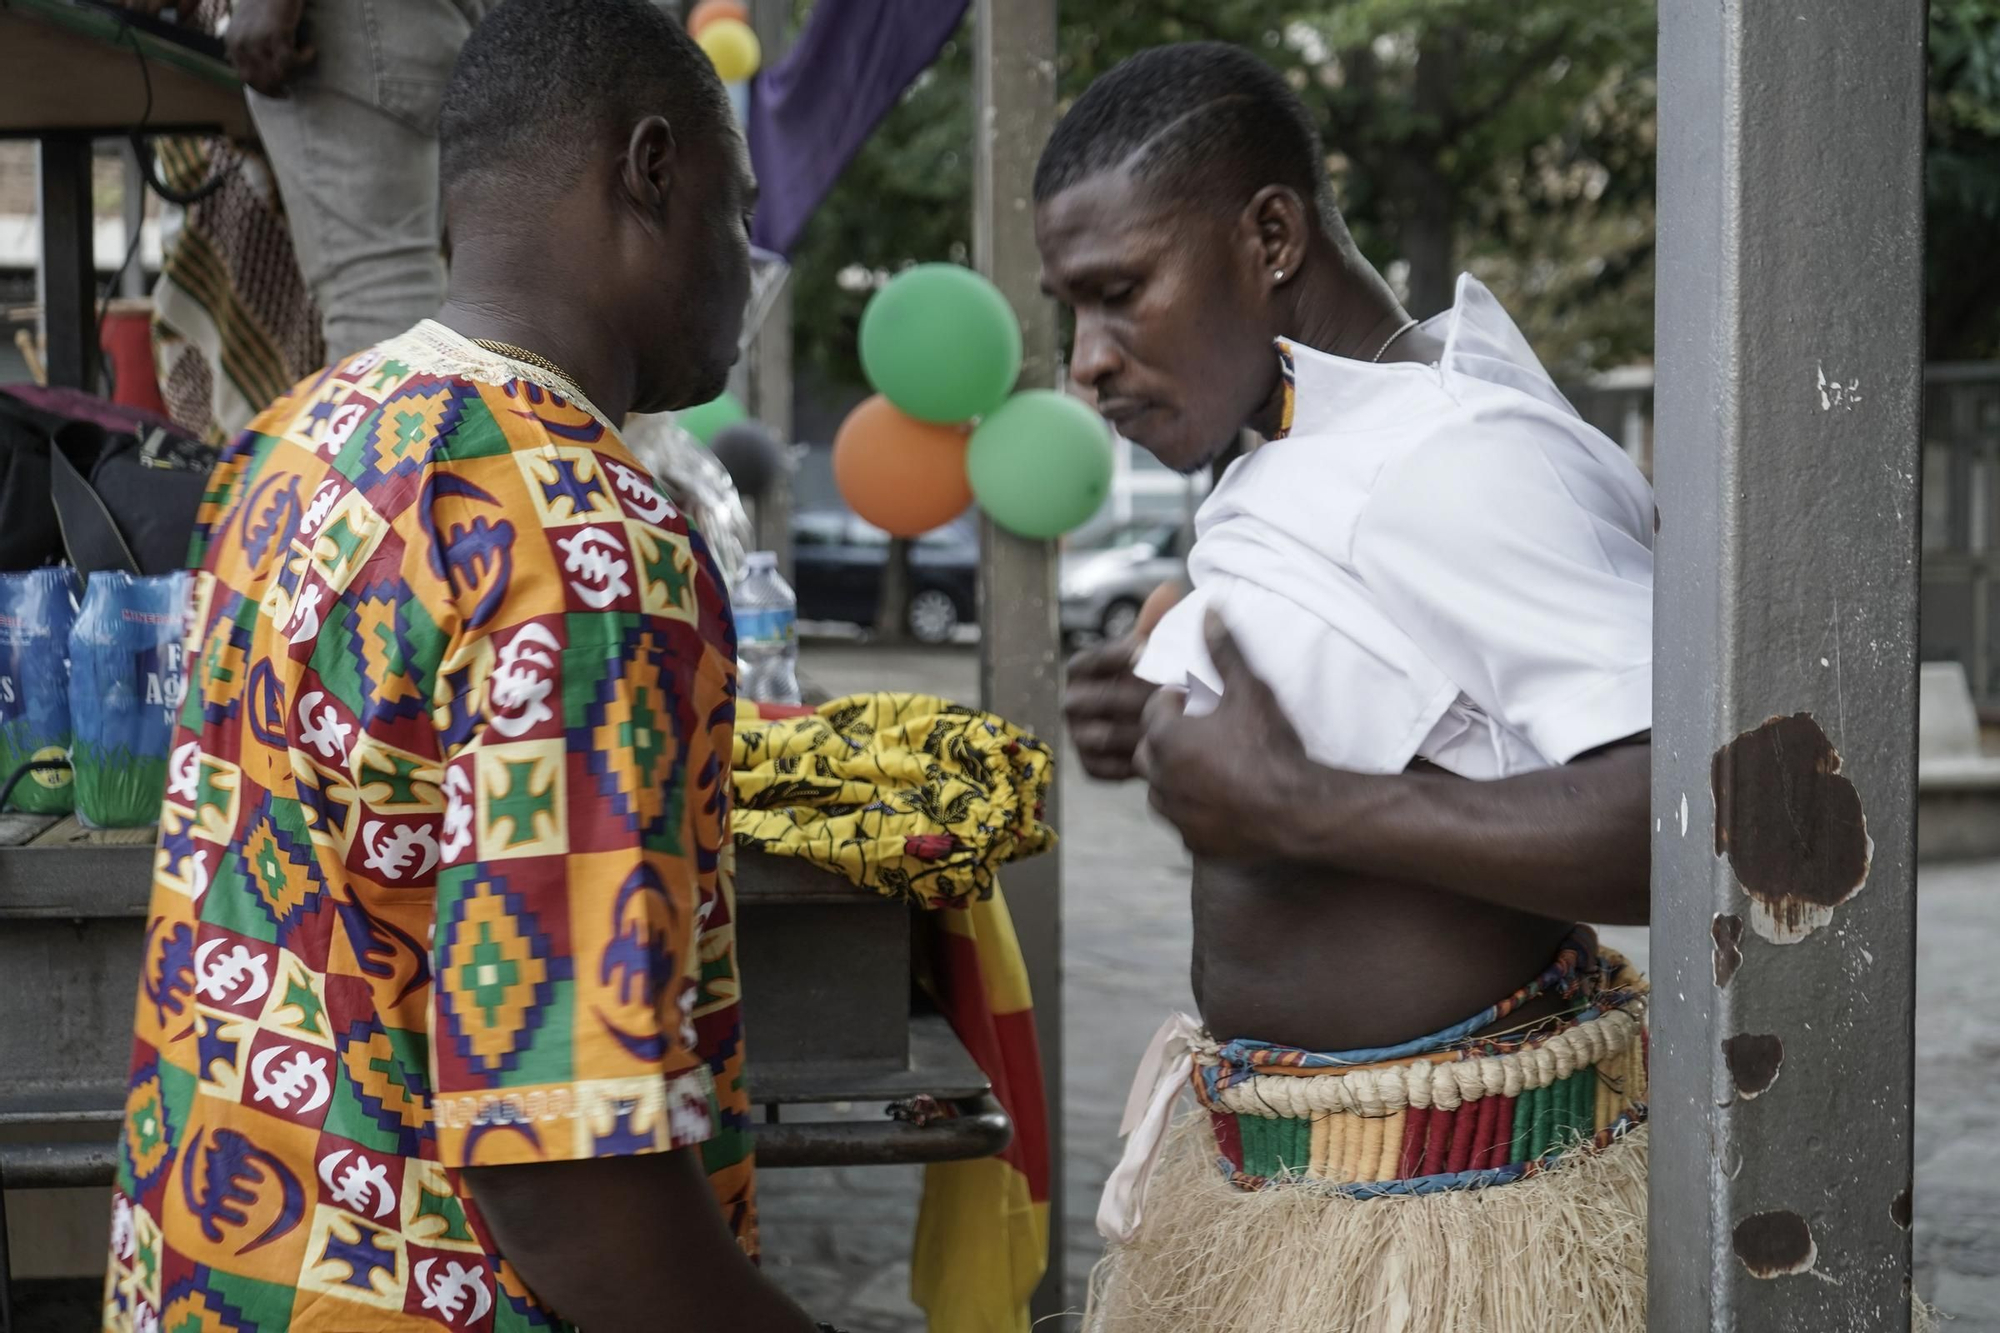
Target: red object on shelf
{"points": [[127, 338]]}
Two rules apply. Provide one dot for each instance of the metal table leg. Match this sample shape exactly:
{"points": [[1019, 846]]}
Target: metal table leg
{"points": [[6, 1264], [68, 277]]}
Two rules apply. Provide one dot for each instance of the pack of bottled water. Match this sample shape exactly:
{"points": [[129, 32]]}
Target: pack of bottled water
{"points": [[127, 681], [36, 607]]}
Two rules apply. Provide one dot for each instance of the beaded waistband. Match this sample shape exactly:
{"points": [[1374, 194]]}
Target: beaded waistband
{"points": [[1451, 1111]]}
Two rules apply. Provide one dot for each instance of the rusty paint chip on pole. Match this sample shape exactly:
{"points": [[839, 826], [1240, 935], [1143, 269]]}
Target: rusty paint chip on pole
{"points": [[1791, 825]]}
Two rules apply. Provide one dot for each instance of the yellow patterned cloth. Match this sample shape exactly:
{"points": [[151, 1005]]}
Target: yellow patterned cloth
{"points": [[902, 793], [921, 799]]}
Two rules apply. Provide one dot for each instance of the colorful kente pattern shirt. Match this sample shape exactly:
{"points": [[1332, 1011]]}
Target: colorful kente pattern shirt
{"points": [[440, 879]]}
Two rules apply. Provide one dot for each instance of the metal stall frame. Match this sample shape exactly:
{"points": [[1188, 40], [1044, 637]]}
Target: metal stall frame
{"points": [[1784, 783], [1020, 641]]}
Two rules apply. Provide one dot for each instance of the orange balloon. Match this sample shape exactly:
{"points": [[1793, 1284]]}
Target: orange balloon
{"points": [[708, 11], [903, 475]]}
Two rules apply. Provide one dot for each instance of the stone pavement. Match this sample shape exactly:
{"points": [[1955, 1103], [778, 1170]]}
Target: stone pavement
{"points": [[839, 1239], [1957, 1186]]}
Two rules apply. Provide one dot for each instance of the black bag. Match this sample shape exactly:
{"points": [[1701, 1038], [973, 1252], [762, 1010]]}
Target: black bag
{"points": [[99, 485]]}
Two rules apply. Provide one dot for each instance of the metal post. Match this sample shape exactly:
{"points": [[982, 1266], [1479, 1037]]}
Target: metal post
{"points": [[1014, 67], [770, 368], [68, 278], [6, 1265], [1790, 384], [132, 283]]}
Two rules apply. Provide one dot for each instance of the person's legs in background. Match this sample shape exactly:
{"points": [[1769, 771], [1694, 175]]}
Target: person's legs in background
{"points": [[353, 145]]}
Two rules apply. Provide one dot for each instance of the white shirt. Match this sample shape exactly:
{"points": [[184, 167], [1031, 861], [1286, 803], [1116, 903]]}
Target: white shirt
{"points": [[1439, 561]]}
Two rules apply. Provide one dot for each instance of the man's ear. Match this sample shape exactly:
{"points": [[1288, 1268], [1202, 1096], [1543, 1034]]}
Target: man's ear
{"points": [[1278, 221], [647, 173]]}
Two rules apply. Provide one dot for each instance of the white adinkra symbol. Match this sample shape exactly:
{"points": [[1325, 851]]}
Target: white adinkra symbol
{"points": [[361, 1183], [218, 979], [457, 813], [447, 1293], [305, 614], [523, 680], [644, 495], [184, 781], [390, 857], [325, 732], [598, 562], [322, 504], [301, 1076]]}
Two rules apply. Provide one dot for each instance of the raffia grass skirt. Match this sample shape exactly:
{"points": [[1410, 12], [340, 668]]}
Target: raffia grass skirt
{"points": [[1560, 1251]]}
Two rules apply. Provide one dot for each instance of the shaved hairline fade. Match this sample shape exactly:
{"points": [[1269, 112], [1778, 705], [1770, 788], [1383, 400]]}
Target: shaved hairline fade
{"points": [[1210, 119]]}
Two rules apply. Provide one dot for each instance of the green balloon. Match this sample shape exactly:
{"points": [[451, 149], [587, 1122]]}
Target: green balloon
{"points": [[1040, 466], [941, 344], [707, 419]]}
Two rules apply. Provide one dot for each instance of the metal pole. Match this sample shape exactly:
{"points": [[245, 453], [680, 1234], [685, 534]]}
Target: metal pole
{"points": [[770, 368], [6, 1265], [1784, 792], [132, 283], [68, 277], [1014, 67]]}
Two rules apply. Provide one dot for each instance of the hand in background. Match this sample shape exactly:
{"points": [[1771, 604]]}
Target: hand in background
{"points": [[264, 45], [1104, 700]]}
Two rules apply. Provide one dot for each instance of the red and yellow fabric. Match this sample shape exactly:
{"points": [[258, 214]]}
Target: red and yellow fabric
{"points": [[921, 799], [439, 880]]}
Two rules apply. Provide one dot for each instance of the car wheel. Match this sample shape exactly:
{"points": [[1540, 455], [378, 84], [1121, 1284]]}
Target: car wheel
{"points": [[932, 616], [1119, 620]]}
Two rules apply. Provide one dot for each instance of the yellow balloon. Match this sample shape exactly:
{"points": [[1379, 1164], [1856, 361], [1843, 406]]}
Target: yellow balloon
{"points": [[732, 48]]}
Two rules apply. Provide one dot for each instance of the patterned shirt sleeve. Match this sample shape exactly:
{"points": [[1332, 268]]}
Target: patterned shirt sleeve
{"points": [[574, 706]]}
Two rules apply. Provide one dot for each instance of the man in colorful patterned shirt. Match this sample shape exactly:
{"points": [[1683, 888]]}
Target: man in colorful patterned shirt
{"points": [[440, 963]]}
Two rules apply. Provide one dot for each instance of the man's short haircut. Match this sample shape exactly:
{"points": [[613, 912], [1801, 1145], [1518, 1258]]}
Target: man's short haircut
{"points": [[1211, 120], [541, 84]]}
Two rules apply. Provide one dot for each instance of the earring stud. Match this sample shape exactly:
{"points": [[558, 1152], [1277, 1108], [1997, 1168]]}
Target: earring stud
{"points": [[1279, 276]]}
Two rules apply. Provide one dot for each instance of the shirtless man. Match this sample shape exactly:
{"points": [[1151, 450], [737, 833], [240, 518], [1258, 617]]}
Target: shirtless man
{"points": [[1436, 572]]}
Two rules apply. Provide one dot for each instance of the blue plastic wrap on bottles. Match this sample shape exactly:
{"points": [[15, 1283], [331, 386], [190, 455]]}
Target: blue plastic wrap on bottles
{"points": [[127, 680], [36, 608]]}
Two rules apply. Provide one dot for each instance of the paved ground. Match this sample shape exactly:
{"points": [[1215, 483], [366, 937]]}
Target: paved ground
{"points": [[838, 1239]]}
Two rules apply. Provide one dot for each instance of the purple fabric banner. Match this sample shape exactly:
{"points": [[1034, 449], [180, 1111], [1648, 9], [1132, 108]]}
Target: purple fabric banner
{"points": [[811, 112]]}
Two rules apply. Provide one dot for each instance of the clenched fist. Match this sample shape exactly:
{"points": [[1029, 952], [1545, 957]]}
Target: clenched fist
{"points": [[1226, 780]]}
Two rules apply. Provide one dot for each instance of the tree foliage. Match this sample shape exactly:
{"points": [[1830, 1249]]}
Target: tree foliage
{"points": [[1962, 180], [1513, 138]]}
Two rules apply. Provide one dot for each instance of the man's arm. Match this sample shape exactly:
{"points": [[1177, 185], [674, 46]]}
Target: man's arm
{"points": [[1570, 842], [629, 1243]]}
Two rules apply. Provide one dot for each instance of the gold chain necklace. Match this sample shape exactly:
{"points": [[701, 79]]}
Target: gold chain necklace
{"points": [[514, 353]]}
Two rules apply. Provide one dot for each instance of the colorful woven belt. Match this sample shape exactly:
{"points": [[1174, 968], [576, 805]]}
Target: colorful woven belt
{"points": [[1453, 1110]]}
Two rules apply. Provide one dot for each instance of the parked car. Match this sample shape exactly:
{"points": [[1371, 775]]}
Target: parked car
{"points": [[837, 564], [1107, 575]]}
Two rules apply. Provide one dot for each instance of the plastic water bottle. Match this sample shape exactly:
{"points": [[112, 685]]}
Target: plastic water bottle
{"points": [[767, 640]]}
